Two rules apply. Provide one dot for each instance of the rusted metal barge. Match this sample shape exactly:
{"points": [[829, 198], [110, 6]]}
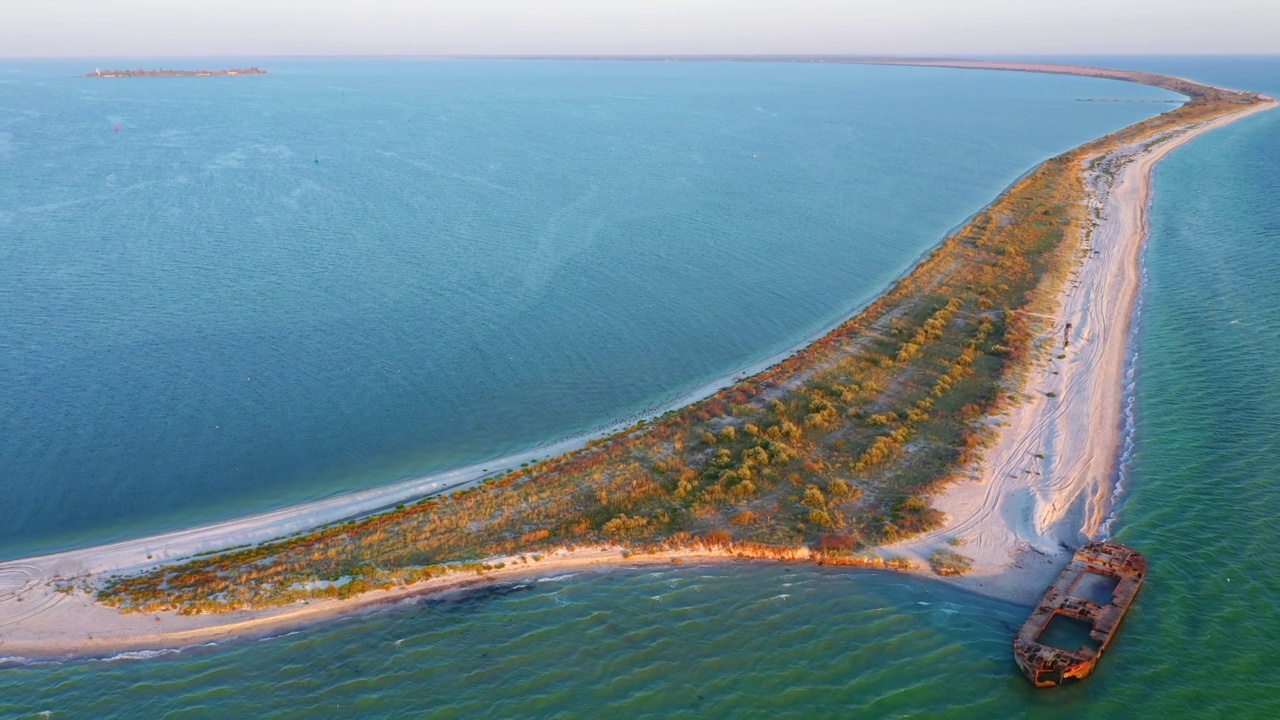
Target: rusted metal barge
{"points": [[1078, 616]]}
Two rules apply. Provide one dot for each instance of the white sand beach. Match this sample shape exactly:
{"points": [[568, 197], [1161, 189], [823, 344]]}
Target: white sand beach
{"points": [[1046, 485], [36, 622]]}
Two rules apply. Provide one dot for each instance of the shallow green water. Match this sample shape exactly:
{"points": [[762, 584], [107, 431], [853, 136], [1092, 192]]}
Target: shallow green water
{"points": [[764, 641]]}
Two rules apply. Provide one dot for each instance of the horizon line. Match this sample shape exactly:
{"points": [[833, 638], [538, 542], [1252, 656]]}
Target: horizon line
{"points": [[641, 56]]}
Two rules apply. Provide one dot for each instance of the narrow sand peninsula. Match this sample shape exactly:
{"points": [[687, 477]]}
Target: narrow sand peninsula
{"points": [[36, 622], [1044, 485]]}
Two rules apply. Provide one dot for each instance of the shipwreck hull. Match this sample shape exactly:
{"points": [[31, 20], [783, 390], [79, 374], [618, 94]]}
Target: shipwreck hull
{"points": [[1076, 620]]}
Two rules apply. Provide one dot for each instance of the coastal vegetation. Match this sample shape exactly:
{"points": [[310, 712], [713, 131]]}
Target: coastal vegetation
{"points": [[949, 562], [827, 455]]}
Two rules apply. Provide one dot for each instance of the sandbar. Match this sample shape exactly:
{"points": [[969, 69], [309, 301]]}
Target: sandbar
{"points": [[1044, 486]]}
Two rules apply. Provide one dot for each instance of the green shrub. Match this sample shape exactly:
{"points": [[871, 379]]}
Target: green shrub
{"points": [[949, 563]]}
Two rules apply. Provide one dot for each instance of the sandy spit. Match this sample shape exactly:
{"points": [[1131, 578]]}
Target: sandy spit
{"points": [[1046, 485], [38, 623], [1043, 487]]}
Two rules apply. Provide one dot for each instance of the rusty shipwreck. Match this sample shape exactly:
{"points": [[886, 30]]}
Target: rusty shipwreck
{"points": [[1079, 614]]}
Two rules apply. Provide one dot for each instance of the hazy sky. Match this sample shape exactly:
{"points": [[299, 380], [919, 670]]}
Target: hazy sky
{"points": [[112, 28]]}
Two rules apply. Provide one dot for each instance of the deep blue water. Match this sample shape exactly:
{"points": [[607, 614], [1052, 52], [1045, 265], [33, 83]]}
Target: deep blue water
{"points": [[1203, 494], [225, 295]]}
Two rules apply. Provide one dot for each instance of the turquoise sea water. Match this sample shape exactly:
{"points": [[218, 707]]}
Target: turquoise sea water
{"points": [[1201, 495], [229, 295]]}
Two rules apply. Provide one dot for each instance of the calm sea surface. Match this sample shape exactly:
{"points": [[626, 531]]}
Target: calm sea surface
{"points": [[538, 259]]}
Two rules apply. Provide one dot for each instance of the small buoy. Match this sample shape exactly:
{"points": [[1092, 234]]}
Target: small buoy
{"points": [[117, 128]]}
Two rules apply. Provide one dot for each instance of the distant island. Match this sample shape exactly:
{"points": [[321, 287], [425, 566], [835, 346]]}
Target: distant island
{"points": [[139, 73]]}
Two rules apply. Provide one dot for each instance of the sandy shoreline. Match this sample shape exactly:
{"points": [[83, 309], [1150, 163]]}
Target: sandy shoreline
{"points": [[48, 625], [1046, 485], [1043, 487], [144, 552]]}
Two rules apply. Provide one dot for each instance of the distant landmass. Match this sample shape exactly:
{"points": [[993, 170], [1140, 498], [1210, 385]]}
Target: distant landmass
{"points": [[175, 73]]}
